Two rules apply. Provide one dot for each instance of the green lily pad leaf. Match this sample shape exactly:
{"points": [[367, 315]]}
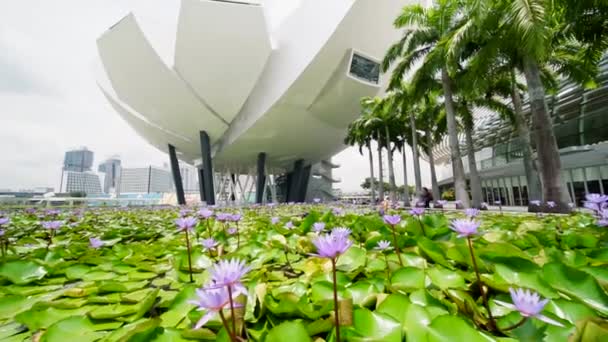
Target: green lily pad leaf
{"points": [[445, 279], [22, 272], [522, 273], [395, 305], [126, 332], [12, 305], [590, 330], [77, 271], [363, 293], [323, 291], [75, 328], [577, 284], [408, 279], [373, 326], [453, 328], [179, 308], [434, 251], [113, 311], [288, 331], [353, 260], [11, 329], [43, 317]]}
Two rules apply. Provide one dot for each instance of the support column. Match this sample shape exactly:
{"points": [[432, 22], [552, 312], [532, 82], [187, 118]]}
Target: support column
{"points": [[207, 168], [304, 183], [294, 184], [232, 187], [259, 189], [201, 184], [177, 178]]}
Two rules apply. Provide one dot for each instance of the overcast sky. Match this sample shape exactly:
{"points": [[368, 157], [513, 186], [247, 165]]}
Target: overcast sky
{"points": [[49, 101]]}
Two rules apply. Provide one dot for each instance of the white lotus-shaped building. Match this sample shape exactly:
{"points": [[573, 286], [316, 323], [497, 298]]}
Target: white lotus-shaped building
{"points": [[280, 79]]}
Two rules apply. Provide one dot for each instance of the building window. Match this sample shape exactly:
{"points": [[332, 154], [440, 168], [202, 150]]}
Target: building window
{"points": [[365, 69]]}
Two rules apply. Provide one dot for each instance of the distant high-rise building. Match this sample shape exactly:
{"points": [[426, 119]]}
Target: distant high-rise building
{"points": [[189, 176], [111, 168], [145, 180], [76, 175], [79, 160], [87, 182]]}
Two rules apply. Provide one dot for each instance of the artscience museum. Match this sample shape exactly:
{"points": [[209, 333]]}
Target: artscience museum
{"points": [[259, 88]]}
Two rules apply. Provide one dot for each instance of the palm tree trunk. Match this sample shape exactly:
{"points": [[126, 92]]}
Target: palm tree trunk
{"points": [[476, 193], [549, 161], [406, 190], [460, 183], [371, 171], [391, 170], [429, 152], [534, 188], [415, 154], [380, 171]]}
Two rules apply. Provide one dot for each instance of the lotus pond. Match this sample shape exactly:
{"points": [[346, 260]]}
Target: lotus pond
{"points": [[124, 275]]}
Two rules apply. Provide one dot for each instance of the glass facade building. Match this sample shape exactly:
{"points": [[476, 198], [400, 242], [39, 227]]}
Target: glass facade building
{"points": [[79, 160], [580, 118]]}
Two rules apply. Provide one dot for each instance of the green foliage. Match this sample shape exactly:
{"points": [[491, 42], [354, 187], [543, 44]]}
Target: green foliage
{"points": [[136, 287]]}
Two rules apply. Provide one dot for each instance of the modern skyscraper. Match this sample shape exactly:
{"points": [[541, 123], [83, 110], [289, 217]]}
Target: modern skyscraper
{"points": [[145, 180], [79, 160], [87, 182], [76, 175], [111, 168]]}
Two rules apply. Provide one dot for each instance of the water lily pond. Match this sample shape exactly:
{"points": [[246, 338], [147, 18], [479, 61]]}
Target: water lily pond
{"points": [[124, 275]]}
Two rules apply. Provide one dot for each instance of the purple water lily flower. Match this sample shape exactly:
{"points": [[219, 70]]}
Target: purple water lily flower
{"points": [[571, 205], [484, 205], [205, 213], [316, 200], [318, 227], [383, 245], [274, 220], [497, 203], [603, 221], [471, 212], [551, 204], [442, 202], [209, 244], [232, 230], [186, 223], [223, 217], [52, 225], [536, 203], [236, 217], [95, 243], [212, 301], [341, 232], [4, 221], [596, 198], [289, 225], [184, 212], [465, 228], [417, 211], [392, 220], [229, 273], [330, 246], [52, 212], [338, 211], [528, 304]]}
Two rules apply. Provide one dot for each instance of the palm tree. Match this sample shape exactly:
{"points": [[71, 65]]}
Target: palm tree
{"points": [[534, 34], [424, 29], [432, 121], [358, 135]]}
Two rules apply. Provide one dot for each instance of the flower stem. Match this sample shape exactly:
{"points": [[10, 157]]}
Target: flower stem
{"points": [[189, 257], [232, 338], [396, 246], [336, 308], [483, 293], [516, 325], [208, 228], [388, 271], [421, 227], [232, 316]]}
